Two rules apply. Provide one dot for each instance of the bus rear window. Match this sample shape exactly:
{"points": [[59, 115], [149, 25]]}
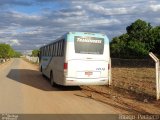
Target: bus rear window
{"points": [[89, 45]]}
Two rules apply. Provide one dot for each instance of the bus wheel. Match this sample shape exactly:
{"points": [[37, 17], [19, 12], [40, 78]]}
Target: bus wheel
{"points": [[52, 79], [42, 72], [41, 68]]}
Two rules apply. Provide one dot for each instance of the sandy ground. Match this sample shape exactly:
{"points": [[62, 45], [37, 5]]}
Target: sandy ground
{"points": [[24, 90]]}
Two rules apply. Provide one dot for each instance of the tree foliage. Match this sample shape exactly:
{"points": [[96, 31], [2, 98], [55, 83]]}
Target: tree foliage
{"points": [[140, 39], [17, 54], [35, 53], [6, 51]]}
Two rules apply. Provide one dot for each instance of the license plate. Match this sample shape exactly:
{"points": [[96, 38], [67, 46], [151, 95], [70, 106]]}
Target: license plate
{"points": [[88, 73]]}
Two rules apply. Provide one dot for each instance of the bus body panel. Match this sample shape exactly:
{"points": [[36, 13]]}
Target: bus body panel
{"points": [[75, 81], [88, 69], [56, 67], [82, 69]]}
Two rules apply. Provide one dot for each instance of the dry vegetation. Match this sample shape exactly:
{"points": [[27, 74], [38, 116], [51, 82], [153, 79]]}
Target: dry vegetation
{"points": [[139, 80], [132, 91]]}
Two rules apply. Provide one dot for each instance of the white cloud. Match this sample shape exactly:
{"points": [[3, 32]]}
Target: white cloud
{"points": [[27, 52], [107, 11], [72, 13], [14, 42], [78, 7], [27, 31], [103, 22], [155, 8]]}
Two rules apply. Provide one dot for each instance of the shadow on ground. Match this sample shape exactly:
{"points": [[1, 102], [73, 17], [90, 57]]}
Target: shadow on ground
{"points": [[35, 79]]}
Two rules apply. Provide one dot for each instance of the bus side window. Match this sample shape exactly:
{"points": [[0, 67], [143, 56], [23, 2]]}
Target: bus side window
{"points": [[41, 51], [51, 49], [44, 51], [54, 49], [63, 47], [48, 50], [58, 48]]}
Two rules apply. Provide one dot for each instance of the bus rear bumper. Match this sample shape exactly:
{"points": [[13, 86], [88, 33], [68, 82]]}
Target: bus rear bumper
{"points": [[95, 81]]}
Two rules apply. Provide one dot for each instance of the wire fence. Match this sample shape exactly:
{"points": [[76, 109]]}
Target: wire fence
{"points": [[135, 75], [32, 59]]}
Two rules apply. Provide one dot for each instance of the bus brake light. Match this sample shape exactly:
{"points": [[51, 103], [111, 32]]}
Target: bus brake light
{"points": [[108, 66], [65, 66]]}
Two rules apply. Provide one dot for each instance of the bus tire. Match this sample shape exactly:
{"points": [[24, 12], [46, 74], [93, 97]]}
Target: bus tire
{"points": [[42, 72], [41, 69], [52, 79]]}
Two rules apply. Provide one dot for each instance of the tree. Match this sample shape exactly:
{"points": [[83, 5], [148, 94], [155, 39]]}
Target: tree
{"points": [[17, 54], [140, 38], [6, 51], [118, 45], [136, 49], [35, 53], [140, 31], [155, 36]]}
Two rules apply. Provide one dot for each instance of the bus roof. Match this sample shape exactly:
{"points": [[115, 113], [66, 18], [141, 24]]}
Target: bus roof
{"points": [[76, 33], [87, 33]]}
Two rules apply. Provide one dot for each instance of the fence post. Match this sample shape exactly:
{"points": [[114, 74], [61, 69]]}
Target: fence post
{"points": [[110, 73], [157, 74]]}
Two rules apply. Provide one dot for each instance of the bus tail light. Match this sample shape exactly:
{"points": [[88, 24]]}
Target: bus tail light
{"points": [[108, 66], [65, 66]]}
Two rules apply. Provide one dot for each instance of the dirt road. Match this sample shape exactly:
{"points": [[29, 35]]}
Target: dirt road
{"points": [[24, 90]]}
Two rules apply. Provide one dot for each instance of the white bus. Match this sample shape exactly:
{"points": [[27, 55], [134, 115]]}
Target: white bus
{"points": [[77, 58]]}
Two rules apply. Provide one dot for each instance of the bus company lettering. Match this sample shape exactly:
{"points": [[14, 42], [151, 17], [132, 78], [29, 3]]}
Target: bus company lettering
{"points": [[87, 40]]}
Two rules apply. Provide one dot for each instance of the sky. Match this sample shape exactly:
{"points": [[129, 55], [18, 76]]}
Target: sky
{"points": [[29, 24]]}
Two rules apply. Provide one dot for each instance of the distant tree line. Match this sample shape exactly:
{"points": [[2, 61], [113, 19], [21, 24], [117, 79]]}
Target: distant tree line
{"points": [[140, 39], [6, 52], [35, 53]]}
